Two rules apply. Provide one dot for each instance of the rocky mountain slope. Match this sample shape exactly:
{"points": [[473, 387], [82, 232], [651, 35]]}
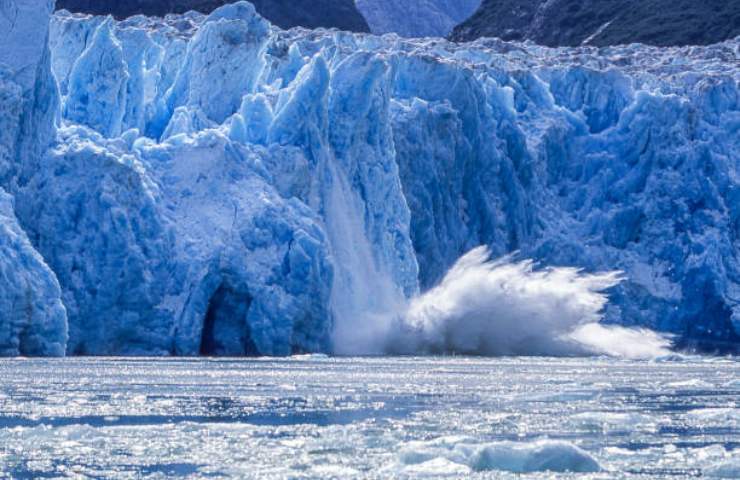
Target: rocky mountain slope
{"points": [[604, 22], [341, 14], [416, 18]]}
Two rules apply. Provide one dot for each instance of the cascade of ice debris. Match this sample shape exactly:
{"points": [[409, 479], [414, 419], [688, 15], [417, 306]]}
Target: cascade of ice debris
{"points": [[366, 303], [217, 185]]}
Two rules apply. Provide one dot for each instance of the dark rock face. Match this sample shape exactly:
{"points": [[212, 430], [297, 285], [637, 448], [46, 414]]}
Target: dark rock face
{"points": [[604, 22], [341, 14]]}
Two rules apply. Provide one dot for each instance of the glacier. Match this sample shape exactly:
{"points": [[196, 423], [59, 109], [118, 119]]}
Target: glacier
{"points": [[33, 319], [216, 185]]}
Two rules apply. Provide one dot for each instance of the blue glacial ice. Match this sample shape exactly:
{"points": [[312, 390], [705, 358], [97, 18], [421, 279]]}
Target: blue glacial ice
{"points": [[215, 185], [453, 454], [34, 318]]}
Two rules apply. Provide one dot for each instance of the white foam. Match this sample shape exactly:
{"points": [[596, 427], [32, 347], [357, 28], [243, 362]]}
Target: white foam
{"points": [[502, 307], [615, 341]]}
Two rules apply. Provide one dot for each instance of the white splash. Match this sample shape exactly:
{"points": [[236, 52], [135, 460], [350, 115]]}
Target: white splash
{"points": [[485, 307], [615, 341]]}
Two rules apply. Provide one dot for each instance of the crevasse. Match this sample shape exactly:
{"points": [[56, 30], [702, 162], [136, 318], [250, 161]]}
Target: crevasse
{"points": [[215, 185]]}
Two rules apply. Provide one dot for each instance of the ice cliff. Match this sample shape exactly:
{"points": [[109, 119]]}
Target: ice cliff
{"points": [[32, 317], [215, 185]]}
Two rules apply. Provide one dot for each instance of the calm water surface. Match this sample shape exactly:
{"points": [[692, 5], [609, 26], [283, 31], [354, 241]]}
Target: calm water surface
{"points": [[318, 417]]}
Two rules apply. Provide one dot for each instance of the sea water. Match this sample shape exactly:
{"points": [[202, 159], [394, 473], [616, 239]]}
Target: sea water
{"points": [[402, 417]]}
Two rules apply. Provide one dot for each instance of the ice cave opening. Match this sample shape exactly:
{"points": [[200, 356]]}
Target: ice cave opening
{"points": [[226, 332]]}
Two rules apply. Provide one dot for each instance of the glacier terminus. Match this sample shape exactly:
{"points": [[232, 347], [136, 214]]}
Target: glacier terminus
{"points": [[216, 185]]}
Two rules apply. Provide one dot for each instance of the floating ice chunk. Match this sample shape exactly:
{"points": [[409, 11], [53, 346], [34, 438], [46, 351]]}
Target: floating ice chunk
{"points": [[550, 456], [614, 422], [726, 469], [537, 456], [437, 467], [691, 384], [732, 384], [726, 417]]}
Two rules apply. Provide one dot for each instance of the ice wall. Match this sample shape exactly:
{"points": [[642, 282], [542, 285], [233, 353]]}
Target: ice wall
{"points": [[224, 187], [33, 319], [28, 104]]}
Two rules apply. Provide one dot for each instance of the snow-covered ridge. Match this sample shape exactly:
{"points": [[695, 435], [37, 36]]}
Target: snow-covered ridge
{"points": [[341, 14], [220, 186], [416, 18]]}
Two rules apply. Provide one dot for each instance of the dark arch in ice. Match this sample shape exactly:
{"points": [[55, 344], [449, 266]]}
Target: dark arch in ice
{"points": [[226, 331]]}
